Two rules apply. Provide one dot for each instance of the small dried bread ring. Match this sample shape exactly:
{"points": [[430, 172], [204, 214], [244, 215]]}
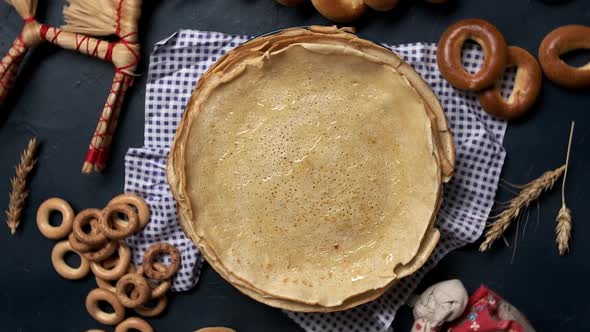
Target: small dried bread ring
{"points": [[560, 41], [116, 271], [107, 284], [83, 219], [161, 287], [449, 54], [103, 253], [135, 284], [149, 258], [106, 221], [527, 87], [340, 10], [143, 209], [291, 3], [77, 245], [67, 213], [98, 294], [382, 5], [62, 268], [134, 324], [152, 311]]}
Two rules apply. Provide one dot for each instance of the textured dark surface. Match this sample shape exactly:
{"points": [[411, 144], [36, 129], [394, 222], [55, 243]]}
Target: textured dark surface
{"points": [[59, 95]]}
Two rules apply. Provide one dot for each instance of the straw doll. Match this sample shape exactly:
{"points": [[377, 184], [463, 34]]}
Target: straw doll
{"points": [[84, 21]]}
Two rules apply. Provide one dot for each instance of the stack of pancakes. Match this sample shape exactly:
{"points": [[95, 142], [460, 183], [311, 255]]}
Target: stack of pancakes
{"points": [[308, 169]]}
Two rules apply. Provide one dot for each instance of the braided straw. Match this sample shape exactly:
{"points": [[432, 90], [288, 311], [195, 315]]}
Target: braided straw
{"points": [[97, 154], [10, 63], [103, 18], [82, 19], [9, 67], [110, 133], [25, 8]]}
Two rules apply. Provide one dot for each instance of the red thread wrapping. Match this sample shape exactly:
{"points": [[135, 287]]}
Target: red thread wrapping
{"points": [[97, 155], [100, 154], [109, 54], [118, 19], [91, 155], [94, 52], [43, 31], [29, 19], [135, 55], [81, 41], [10, 64], [57, 32]]}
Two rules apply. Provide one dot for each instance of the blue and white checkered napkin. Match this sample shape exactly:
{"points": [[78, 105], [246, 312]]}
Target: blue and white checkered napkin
{"points": [[174, 68]]}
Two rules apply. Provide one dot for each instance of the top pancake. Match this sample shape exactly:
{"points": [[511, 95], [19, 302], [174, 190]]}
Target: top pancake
{"points": [[310, 173]]}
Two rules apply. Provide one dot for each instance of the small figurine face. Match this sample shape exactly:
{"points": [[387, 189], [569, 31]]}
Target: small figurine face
{"points": [[441, 302]]}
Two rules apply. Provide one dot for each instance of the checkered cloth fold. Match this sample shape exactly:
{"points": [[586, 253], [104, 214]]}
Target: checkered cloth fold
{"points": [[174, 69]]}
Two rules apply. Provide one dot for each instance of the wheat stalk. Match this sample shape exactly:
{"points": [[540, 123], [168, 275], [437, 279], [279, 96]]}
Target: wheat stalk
{"points": [[19, 192], [564, 216], [529, 193]]}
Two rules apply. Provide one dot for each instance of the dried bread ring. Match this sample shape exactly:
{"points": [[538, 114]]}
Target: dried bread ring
{"points": [[67, 213], [107, 224], [527, 87], [102, 253], [78, 246], [149, 258], [161, 287], [152, 311], [449, 54], [143, 209], [135, 284], [98, 294], [134, 324], [107, 284], [117, 270], [291, 3], [558, 42], [62, 268], [340, 10], [382, 5], [84, 218]]}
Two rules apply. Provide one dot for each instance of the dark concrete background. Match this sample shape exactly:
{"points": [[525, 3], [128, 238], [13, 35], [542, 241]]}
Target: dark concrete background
{"points": [[59, 96]]}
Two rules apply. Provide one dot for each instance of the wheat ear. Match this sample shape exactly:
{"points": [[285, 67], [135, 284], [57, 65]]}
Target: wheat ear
{"points": [[563, 230], [19, 192], [529, 193]]}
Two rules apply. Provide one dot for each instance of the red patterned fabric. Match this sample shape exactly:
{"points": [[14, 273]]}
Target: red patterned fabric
{"points": [[483, 315]]}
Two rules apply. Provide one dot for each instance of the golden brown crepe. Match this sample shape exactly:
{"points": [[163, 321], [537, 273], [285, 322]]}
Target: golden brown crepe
{"points": [[308, 169]]}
